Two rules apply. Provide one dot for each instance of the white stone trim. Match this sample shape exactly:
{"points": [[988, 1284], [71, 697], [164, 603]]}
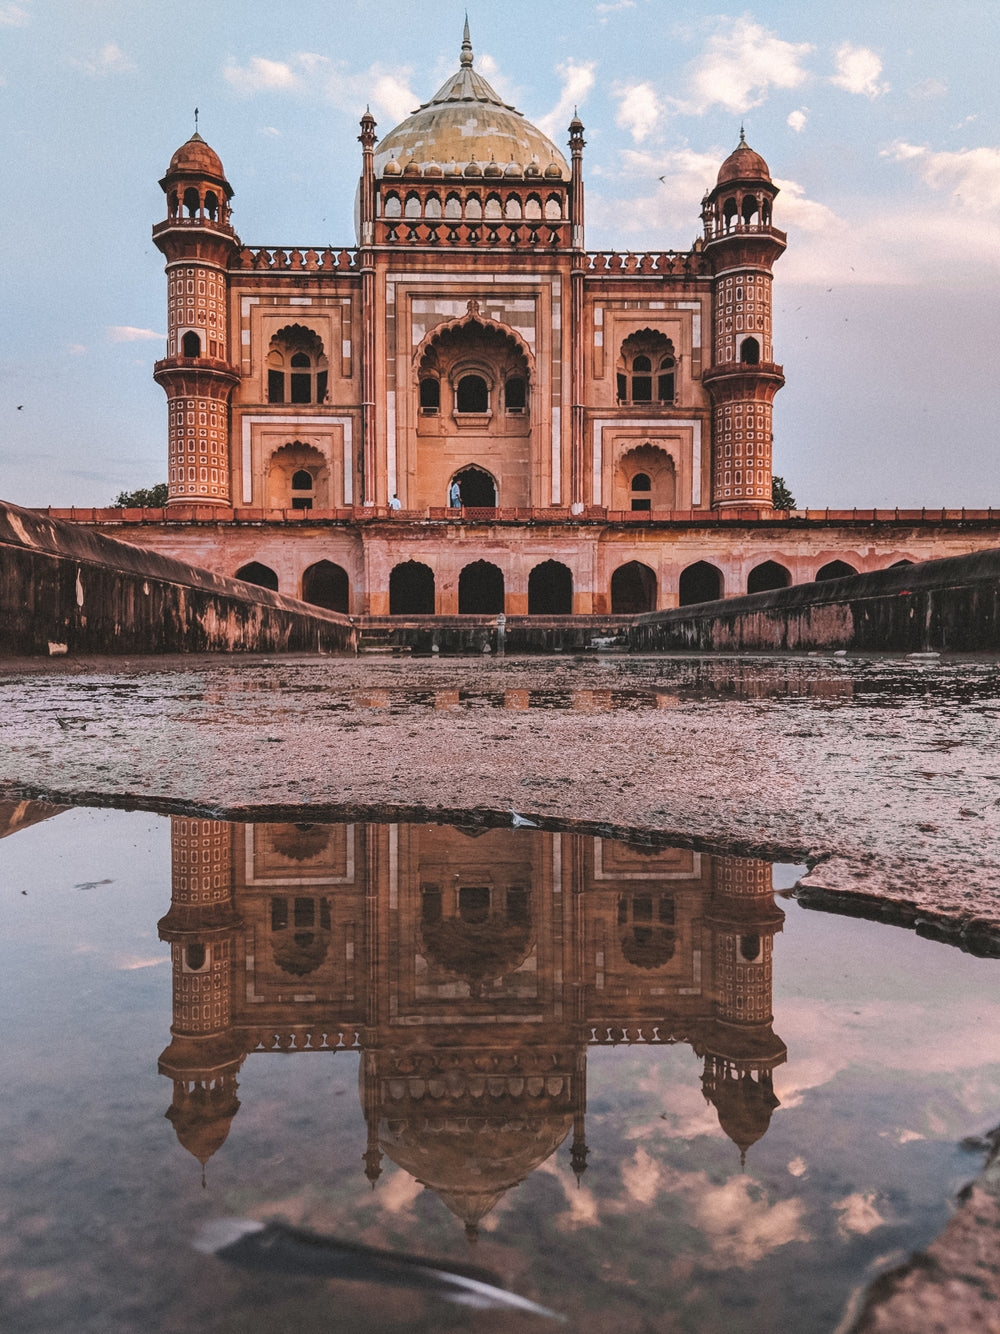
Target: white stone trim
{"points": [[309, 424], [347, 879], [599, 874], [660, 424]]}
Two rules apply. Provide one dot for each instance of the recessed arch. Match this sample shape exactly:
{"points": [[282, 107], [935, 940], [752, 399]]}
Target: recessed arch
{"points": [[411, 589], [550, 589], [480, 589], [477, 488], [834, 569], [750, 352], [190, 345], [261, 575], [297, 368], [700, 582], [633, 589], [325, 584], [298, 478], [767, 576]]}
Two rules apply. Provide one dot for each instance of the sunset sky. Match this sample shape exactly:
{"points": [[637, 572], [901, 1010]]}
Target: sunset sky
{"points": [[879, 123]]}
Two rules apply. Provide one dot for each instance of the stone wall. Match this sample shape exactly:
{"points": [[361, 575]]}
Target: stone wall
{"points": [[67, 589], [949, 605]]}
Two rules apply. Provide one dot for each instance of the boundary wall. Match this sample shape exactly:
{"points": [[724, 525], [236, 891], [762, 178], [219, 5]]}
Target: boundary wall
{"points": [[947, 605], [65, 588]]}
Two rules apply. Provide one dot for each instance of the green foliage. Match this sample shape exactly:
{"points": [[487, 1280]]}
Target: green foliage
{"points": [[146, 498], [781, 497]]}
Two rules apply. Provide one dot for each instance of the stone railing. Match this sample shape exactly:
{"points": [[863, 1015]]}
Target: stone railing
{"points": [[743, 368], [716, 231], [491, 232], [657, 263], [324, 260]]}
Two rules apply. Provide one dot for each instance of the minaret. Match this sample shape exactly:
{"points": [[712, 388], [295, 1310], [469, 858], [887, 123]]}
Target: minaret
{"points": [[577, 144], [202, 926], [741, 1049], [741, 246], [198, 242]]}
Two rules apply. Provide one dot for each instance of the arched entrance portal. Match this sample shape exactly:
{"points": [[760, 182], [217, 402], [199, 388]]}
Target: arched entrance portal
{"points": [[479, 490], [411, 590], [836, 569], [633, 588], [326, 585], [700, 582], [480, 590], [550, 590], [763, 578], [261, 575]]}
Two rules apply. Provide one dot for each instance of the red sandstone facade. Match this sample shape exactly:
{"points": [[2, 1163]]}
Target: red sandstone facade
{"points": [[469, 412]]}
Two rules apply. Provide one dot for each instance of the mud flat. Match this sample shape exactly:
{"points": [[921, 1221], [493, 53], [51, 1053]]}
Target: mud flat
{"points": [[882, 774]]}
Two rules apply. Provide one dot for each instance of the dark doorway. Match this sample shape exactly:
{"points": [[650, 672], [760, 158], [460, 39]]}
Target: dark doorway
{"points": [[258, 574], [326, 585], [550, 590], [472, 394], [633, 588], [480, 590], [479, 491], [700, 582], [411, 590], [770, 575], [836, 569]]}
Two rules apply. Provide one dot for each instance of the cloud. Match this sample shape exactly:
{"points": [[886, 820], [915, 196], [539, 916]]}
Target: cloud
{"points": [[76, 349], [741, 63], [859, 1214], [930, 88], [270, 130], [858, 68], [606, 10], [639, 109], [387, 90], [797, 119], [13, 16], [125, 333], [970, 175], [111, 59], [577, 80]]}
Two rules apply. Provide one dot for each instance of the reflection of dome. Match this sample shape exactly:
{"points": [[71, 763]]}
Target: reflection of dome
{"points": [[743, 164], [467, 123], [744, 1104], [202, 1116], [196, 157]]}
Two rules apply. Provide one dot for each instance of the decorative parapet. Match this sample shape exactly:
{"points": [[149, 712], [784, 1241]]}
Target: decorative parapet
{"points": [[715, 231], [664, 263], [324, 260], [493, 233]]}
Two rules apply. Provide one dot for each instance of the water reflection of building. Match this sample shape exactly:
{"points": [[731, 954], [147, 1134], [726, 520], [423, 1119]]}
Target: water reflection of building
{"points": [[471, 968]]}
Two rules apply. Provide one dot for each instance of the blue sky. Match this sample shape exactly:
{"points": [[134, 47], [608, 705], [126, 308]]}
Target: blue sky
{"points": [[879, 122]]}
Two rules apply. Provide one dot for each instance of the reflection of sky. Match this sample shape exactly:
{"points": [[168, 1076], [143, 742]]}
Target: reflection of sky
{"points": [[893, 1056]]}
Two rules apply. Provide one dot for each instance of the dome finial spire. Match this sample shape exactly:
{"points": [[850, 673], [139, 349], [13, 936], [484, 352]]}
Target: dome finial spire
{"points": [[743, 137], [466, 43]]}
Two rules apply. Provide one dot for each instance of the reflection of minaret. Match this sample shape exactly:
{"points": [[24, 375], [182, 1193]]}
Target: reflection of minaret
{"points": [[740, 1047], [203, 1057]]}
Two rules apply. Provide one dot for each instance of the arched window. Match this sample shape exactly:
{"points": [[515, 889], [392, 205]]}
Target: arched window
{"points": [[750, 948], [836, 569], [480, 590], [472, 394], [646, 369], [326, 585], [190, 345], [195, 958], [641, 489], [192, 201], [393, 208], [474, 208], [477, 488], [453, 206], [700, 582], [553, 208], [296, 367], [769, 575], [750, 352], [432, 207], [430, 394], [212, 205], [261, 575], [515, 393], [302, 489], [411, 590], [633, 589], [550, 590], [646, 929]]}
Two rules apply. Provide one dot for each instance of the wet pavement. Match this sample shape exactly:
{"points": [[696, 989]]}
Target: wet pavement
{"points": [[882, 774]]}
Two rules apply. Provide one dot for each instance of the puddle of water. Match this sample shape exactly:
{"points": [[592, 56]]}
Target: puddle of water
{"points": [[622, 1079]]}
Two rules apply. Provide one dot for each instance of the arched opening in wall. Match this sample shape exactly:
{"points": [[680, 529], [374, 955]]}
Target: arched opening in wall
{"points": [[300, 933], [633, 589], [700, 582], [393, 208], [480, 589], [550, 590], [835, 569], [472, 394], [432, 207], [478, 932], [192, 201], [750, 352], [899, 564], [297, 369], [477, 488], [261, 575], [195, 958], [430, 395], [646, 929], [190, 345], [411, 589], [750, 948], [515, 394], [327, 585], [646, 368], [751, 208], [645, 479], [729, 213], [298, 477], [212, 205], [770, 574]]}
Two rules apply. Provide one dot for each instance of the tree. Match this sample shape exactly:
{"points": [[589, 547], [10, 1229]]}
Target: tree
{"points": [[146, 498], [781, 497]]}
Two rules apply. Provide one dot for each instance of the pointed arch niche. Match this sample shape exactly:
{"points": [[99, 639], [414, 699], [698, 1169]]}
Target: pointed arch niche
{"points": [[298, 477], [645, 479]]}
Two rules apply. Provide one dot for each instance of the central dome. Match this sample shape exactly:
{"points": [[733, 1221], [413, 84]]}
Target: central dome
{"points": [[466, 124]]}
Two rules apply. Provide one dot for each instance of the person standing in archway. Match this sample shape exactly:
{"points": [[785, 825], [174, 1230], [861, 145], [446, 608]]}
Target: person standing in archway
{"points": [[455, 495]]}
